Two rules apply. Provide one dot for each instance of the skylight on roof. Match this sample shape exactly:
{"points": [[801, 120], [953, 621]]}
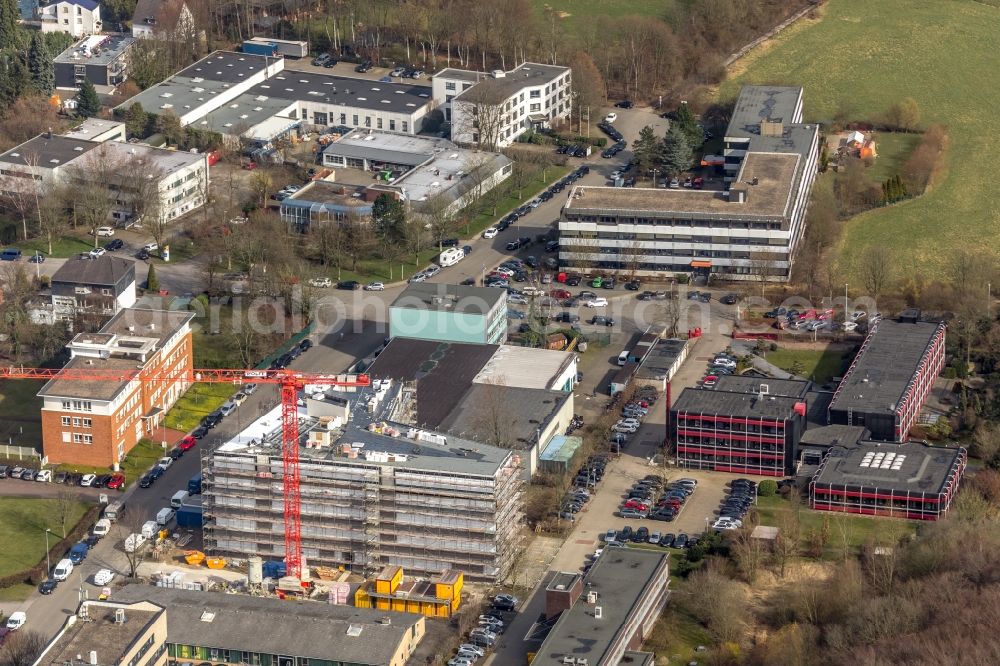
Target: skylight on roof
{"points": [[166, 94], [362, 99]]}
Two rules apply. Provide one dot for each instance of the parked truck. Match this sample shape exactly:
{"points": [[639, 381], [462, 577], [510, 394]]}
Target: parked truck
{"points": [[190, 516], [114, 511], [286, 47], [260, 48]]}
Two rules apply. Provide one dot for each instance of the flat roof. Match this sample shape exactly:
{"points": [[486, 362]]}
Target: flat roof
{"points": [[244, 112], [96, 50], [660, 358], [93, 127], [525, 367], [911, 466], [461, 299], [308, 629], [448, 174], [528, 75], [168, 161], [728, 403], [770, 197], [327, 192], [757, 103], [787, 388], [100, 633], [404, 149], [225, 67], [832, 435], [444, 372], [885, 367], [467, 75], [344, 91], [561, 448], [48, 151], [524, 412], [620, 577]]}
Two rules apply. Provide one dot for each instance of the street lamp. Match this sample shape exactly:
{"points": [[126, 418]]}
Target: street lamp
{"points": [[48, 565]]}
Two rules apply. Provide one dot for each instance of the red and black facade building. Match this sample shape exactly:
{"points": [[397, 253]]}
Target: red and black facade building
{"points": [[740, 426], [911, 480], [890, 378]]}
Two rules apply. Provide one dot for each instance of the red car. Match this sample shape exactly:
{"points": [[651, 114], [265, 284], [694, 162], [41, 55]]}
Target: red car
{"points": [[117, 481], [187, 443], [560, 293], [637, 505]]}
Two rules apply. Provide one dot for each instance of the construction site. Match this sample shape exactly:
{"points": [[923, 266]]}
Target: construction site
{"points": [[374, 493]]}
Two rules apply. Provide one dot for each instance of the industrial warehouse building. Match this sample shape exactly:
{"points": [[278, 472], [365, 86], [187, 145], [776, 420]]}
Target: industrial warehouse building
{"points": [[375, 492], [744, 425], [748, 227], [890, 378]]}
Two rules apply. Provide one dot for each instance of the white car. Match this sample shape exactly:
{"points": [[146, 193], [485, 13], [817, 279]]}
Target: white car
{"points": [[849, 326], [97, 252], [629, 422], [724, 362], [320, 282], [654, 538], [238, 220], [491, 232], [88, 480], [598, 302], [104, 231], [103, 577], [45, 476], [858, 315], [727, 524], [432, 270], [16, 620], [611, 117], [626, 428], [165, 462], [374, 286], [474, 649]]}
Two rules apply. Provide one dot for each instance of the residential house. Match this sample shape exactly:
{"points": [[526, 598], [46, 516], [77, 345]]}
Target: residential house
{"points": [[162, 19], [87, 284], [78, 18], [101, 59]]}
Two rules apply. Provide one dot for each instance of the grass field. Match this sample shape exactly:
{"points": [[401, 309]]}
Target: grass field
{"points": [[199, 401], [22, 527], [576, 16], [61, 247], [20, 419], [865, 55], [817, 365], [894, 148], [137, 461]]}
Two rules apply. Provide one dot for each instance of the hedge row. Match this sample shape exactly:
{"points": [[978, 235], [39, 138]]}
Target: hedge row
{"points": [[38, 573]]}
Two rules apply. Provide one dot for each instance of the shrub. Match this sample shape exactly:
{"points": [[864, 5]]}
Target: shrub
{"points": [[767, 488]]}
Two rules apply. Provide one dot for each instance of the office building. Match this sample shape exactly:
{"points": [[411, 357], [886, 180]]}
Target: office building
{"points": [[101, 59], [744, 425], [603, 617], [96, 422], [104, 633], [78, 18], [493, 109], [375, 492], [746, 226], [910, 480], [886, 386], [449, 313]]}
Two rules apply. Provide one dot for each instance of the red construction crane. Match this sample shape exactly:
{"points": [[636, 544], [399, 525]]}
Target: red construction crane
{"points": [[290, 383]]}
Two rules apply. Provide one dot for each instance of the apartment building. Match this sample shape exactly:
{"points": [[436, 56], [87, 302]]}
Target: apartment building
{"points": [[100, 285], [494, 109], [374, 492], [96, 422], [886, 385], [745, 226], [74, 17], [450, 313], [140, 180], [101, 59]]}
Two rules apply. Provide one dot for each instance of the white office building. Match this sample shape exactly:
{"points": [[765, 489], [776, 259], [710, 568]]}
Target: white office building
{"points": [[747, 227]]}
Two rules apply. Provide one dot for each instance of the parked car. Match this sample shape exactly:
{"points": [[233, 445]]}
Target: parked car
{"points": [[320, 282], [611, 117]]}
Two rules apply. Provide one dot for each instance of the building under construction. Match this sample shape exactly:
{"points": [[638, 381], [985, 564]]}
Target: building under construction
{"points": [[373, 493]]}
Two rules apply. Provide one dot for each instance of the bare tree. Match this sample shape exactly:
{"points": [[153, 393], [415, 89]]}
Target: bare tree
{"points": [[786, 545], [22, 648], [130, 523], [65, 503], [493, 420], [748, 552], [479, 115], [764, 266], [875, 267]]}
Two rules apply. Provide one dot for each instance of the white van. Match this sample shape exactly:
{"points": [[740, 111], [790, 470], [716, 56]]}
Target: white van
{"points": [[113, 511], [623, 358], [177, 501], [102, 527], [62, 570], [164, 516], [149, 529], [451, 256], [134, 542]]}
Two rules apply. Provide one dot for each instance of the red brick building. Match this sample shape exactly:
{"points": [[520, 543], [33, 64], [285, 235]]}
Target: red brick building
{"points": [[97, 422]]}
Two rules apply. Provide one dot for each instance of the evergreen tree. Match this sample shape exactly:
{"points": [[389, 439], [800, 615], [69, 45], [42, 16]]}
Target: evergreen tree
{"points": [[136, 121], [14, 78], [88, 104], [389, 217], [689, 125], [676, 151], [10, 31], [647, 149], [152, 283], [40, 63]]}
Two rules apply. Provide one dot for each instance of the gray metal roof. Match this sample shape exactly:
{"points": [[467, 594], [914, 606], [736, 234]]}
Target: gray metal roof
{"points": [[344, 91], [243, 112], [48, 151], [918, 467], [737, 405], [620, 577], [887, 364], [525, 411], [449, 298], [309, 629], [225, 67], [787, 388]]}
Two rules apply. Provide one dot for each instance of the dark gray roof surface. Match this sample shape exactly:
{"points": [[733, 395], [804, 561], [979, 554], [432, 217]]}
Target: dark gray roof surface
{"points": [[449, 297], [757, 103], [104, 270], [344, 91], [528, 75], [923, 468], [727, 403], [445, 372], [48, 152], [787, 388], [832, 435], [110, 48], [619, 577], [225, 66], [524, 411], [312, 630], [888, 362]]}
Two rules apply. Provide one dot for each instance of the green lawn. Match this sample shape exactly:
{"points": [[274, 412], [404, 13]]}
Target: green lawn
{"points": [[856, 529], [817, 365], [20, 418], [199, 401], [22, 529], [137, 461], [531, 189], [894, 148], [864, 55], [66, 246]]}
